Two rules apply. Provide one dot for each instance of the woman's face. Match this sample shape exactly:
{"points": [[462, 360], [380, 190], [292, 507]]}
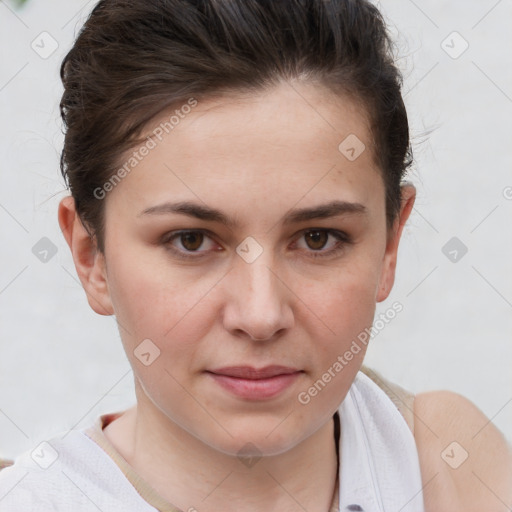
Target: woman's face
{"points": [[260, 283]]}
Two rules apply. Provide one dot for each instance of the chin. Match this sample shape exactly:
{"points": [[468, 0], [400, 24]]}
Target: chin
{"points": [[253, 438], [253, 447]]}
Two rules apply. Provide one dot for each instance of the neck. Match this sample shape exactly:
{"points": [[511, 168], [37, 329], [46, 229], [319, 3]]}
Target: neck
{"points": [[192, 475]]}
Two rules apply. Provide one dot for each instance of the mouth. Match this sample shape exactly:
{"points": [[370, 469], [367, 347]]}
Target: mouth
{"points": [[250, 373], [255, 384]]}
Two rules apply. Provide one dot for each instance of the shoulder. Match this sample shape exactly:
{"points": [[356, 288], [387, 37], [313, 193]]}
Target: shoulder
{"points": [[67, 473], [466, 462]]}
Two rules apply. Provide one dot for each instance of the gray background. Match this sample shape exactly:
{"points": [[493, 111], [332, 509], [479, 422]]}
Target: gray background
{"points": [[61, 365]]}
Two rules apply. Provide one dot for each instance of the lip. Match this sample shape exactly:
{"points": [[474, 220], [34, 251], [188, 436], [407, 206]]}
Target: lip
{"points": [[255, 384]]}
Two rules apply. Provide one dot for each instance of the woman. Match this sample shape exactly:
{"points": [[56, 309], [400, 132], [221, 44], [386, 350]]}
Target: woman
{"points": [[237, 200]]}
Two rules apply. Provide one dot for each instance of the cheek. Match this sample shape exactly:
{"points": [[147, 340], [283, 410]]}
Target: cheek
{"points": [[160, 304], [345, 300], [345, 304], [346, 308], [145, 289], [348, 313]]}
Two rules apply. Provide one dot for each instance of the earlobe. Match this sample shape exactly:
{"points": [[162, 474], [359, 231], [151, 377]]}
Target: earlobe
{"points": [[89, 262], [387, 276]]}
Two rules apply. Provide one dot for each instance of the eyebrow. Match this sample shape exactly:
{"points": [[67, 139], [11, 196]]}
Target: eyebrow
{"points": [[202, 212]]}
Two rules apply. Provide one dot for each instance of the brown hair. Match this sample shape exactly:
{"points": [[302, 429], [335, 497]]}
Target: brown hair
{"points": [[134, 58]]}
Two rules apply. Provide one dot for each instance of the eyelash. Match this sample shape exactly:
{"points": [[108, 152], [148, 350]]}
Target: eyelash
{"points": [[342, 237]]}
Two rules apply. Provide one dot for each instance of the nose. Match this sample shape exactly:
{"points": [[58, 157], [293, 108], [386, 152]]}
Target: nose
{"points": [[258, 304]]}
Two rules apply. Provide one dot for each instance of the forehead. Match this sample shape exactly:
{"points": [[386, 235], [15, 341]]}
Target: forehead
{"points": [[292, 117], [244, 150]]}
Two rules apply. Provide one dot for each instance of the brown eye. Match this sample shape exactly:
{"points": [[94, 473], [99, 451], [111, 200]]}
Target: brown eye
{"points": [[191, 240], [316, 239], [187, 243], [316, 244]]}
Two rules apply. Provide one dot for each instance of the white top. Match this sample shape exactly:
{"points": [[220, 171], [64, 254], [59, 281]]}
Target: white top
{"points": [[379, 470]]}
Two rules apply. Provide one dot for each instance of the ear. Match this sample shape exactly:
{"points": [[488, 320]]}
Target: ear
{"points": [[387, 276], [89, 262]]}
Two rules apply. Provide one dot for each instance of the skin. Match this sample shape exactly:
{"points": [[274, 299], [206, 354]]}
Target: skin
{"points": [[255, 157]]}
